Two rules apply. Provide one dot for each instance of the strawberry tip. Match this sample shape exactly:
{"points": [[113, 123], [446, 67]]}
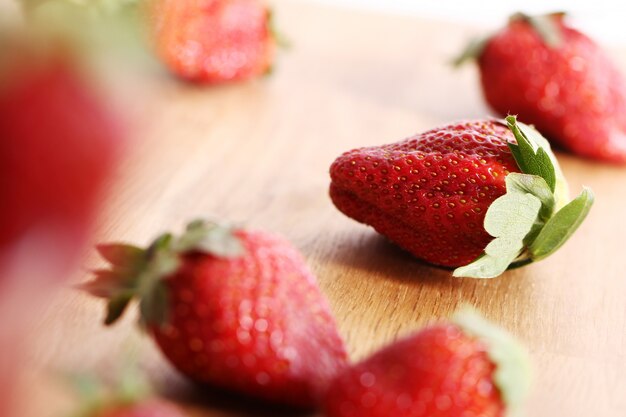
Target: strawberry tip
{"points": [[513, 373]]}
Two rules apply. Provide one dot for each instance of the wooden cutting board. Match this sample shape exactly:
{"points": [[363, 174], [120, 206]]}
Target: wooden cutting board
{"points": [[258, 153]]}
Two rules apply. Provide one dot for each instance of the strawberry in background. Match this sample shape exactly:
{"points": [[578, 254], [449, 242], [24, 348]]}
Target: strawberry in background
{"points": [[213, 41], [557, 79]]}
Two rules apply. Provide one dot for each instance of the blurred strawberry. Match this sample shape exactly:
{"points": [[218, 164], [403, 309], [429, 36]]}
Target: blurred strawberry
{"points": [[465, 368], [58, 146], [558, 79], [213, 41]]}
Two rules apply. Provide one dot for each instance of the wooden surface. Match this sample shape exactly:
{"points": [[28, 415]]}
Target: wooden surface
{"points": [[259, 153]]}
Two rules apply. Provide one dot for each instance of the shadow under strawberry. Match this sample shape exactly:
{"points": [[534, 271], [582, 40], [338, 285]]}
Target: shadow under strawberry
{"points": [[376, 254], [205, 396]]}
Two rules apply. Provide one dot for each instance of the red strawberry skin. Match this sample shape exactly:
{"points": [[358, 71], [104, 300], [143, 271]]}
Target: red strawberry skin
{"points": [[439, 372], [212, 41], [147, 408], [256, 324], [572, 93], [58, 146], [428, 193]]}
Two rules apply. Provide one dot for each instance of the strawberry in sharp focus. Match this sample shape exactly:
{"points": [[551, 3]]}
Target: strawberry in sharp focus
{"points": [[465, 368], [559, 80], [445, 194], [234, 309], [213, 41]]}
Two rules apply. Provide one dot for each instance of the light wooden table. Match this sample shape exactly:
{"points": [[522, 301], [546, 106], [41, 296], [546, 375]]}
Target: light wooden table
{"points": [[259, 153]]}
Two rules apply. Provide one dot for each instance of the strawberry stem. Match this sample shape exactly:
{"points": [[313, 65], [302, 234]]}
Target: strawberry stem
{"points": [[136, 273], [472, 51], [545, 25], [281, 40], [529, 222]]}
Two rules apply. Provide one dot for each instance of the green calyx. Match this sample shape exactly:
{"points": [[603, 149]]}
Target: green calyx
{"points": [[472, 51], [141, 273], [532, 220], [545, 25], [512, 374], [96, 396], [97, 30], [277, 36], [90, 8], [281, 40]]}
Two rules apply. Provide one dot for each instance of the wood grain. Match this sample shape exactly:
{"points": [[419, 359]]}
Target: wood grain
{"points": [[258, 153]]}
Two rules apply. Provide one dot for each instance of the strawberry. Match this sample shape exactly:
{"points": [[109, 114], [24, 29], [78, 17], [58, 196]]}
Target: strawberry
{"points": [[232, 308], [445, 194], [558, 79], [58, 146], [467, 368], [59, 143], [213, 41]]}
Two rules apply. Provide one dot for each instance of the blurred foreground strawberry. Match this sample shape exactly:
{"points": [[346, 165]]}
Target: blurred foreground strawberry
{"points": [[213, 41], [59, 142], [559, 80], [231, 308], [465, 368], [489, 191]]}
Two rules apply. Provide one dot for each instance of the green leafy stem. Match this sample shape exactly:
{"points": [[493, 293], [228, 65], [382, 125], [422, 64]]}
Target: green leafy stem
{"points": [[546, 26], [138, 273], [530, 221]]}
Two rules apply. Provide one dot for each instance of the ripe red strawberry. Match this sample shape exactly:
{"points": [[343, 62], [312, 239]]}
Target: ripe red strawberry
{"points": [[59, 142], [235, 309], [432, 193], [558, 79], [439, 183], [468, 368], [213, 41]]}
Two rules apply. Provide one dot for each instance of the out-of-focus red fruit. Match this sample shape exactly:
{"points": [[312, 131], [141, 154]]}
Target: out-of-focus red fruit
{"points": [[466, 368], [213, 41], [249, 293], [58, 143], [559, 80]]}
